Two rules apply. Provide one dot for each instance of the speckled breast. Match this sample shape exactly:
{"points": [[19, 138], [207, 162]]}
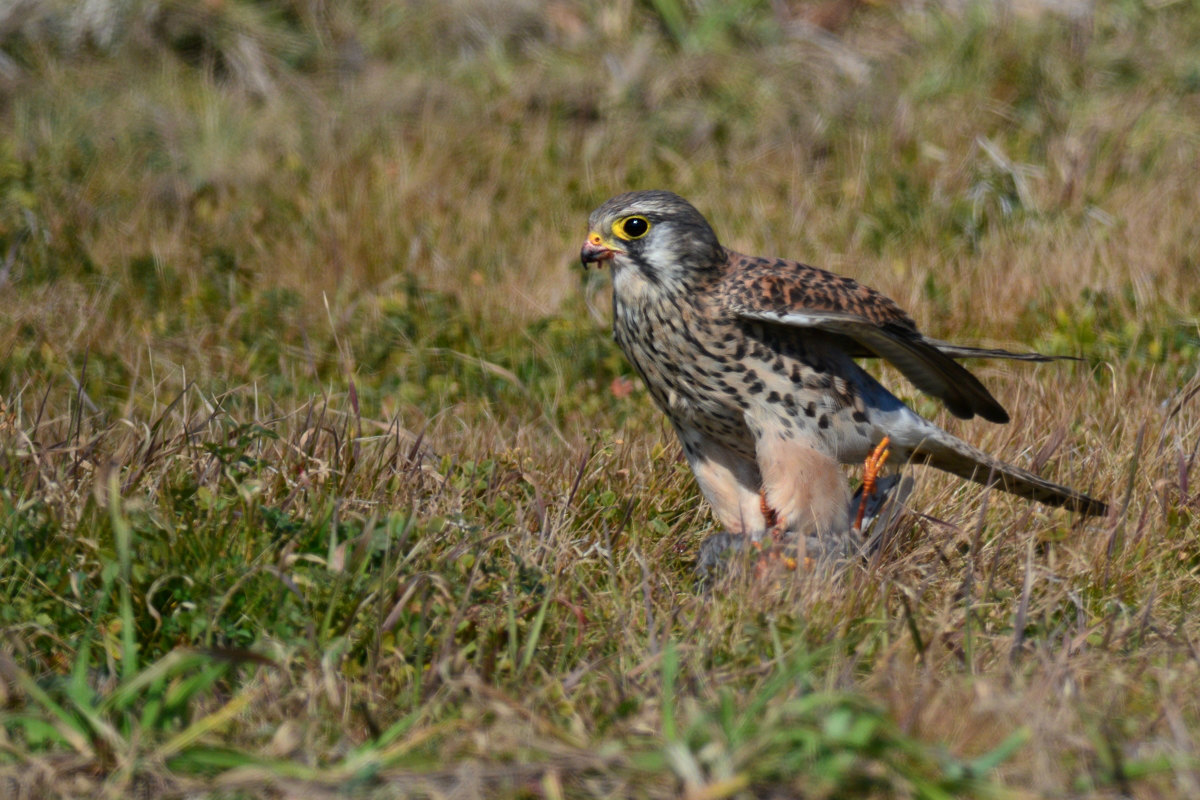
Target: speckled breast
{"points": [[692, 366]]}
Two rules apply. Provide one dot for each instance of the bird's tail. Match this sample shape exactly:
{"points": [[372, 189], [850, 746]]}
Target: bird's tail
{"points": [[947, 452]]}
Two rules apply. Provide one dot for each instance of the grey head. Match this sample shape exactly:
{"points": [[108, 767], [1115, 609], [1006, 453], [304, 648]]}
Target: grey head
{"points": [[657, 235]]}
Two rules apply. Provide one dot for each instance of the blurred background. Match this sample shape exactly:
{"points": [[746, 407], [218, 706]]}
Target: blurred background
{"points": [[286, 192]]}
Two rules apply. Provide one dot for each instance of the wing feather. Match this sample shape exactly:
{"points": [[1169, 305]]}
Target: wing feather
{"points": [[929, 369], [864, 323], [964, 351]]}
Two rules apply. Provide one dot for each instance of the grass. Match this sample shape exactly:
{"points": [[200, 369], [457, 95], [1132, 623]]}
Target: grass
{"points": [[318, 479]]}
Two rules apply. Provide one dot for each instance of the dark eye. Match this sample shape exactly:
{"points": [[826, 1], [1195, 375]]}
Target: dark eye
{"points": [[634, 227]]}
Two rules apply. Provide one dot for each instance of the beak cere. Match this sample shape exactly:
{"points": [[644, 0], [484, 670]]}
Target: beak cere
{"points": [[595, 250]]}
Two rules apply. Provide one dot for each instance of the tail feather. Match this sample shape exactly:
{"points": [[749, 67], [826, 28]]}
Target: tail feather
{"points": [[953, 455]]}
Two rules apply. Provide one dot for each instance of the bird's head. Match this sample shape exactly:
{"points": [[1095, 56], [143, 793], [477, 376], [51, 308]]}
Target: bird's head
{"points": [[656, 235]]}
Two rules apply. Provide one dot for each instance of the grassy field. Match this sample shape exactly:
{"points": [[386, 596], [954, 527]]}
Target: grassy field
{"points": [[319, 471]]}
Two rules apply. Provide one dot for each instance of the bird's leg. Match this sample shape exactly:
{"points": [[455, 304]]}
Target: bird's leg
{"points": [[770, 516], [871, 469], [776, 531]]}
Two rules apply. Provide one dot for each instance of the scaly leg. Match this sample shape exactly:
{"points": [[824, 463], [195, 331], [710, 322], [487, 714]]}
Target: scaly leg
{"points": [[778, 534], [871, 469], [770, 516]]}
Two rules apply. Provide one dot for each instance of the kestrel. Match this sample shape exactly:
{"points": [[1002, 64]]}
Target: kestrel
{"points": [[752, 360]]}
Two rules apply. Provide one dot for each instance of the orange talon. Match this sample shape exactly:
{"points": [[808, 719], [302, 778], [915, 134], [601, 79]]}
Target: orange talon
{"points": [[769, 515], [871, 469]]}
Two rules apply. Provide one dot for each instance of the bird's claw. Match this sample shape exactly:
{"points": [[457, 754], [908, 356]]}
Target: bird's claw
{"points": [[777, 554], [871, 468], [718, 551], [775, 528]]}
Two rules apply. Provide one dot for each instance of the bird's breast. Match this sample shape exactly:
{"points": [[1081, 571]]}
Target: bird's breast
{"points": [[689, 363]]}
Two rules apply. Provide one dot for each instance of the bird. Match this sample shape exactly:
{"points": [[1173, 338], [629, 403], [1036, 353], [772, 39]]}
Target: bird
{"points": [[753, 361]]}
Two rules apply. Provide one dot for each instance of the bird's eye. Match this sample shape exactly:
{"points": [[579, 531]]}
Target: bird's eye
{"points": [[631, 228]]}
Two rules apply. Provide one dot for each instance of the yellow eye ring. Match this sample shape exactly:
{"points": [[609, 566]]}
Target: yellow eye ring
{"points": [[630, 228]]}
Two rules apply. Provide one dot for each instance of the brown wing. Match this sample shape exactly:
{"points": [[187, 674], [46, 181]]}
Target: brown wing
{"points": [[794, 295]]}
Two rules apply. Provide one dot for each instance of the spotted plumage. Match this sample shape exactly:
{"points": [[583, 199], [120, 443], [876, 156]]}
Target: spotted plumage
{"points": [[752, 359]]}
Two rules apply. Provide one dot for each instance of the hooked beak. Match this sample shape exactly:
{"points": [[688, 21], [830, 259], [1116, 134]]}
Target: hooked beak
{"points": [[595, 250]]}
